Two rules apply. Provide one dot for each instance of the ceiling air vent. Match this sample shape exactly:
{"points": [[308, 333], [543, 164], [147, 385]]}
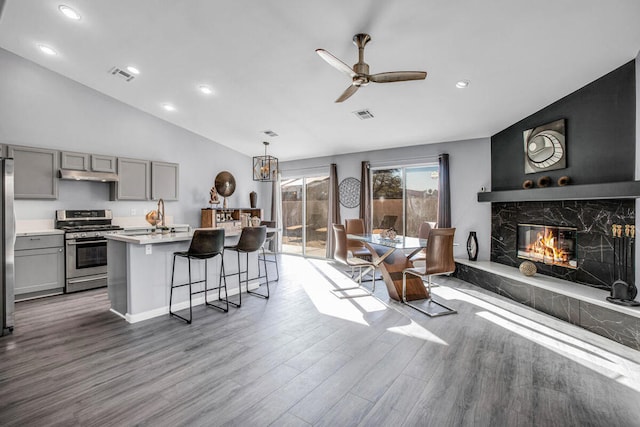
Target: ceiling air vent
{"points": [[122, 74], [269, 133], [363, 114]]}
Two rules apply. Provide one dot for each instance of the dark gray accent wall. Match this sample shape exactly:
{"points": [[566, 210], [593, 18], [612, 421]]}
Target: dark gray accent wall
{"points": [[600, 130]]}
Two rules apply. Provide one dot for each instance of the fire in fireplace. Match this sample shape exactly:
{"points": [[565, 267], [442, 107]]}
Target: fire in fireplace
{"points": [[548, 244]]}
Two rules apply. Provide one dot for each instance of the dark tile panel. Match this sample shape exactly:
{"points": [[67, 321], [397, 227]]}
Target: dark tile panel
{"points": [[556, 305], [611, 324]]}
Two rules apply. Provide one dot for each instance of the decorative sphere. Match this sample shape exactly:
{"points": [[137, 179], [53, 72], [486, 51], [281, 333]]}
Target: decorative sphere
{"points": [[528, 268]]}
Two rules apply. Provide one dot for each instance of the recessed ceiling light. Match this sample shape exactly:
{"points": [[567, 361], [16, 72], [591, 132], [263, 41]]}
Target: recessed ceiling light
{"points": [[46, 49], [462, 84], [168, 107], [68, 12], [133, 70], [205, 89]]}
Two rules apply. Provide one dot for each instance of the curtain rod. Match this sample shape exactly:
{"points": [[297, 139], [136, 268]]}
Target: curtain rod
{"points": [[326, 167], [399, 162]]}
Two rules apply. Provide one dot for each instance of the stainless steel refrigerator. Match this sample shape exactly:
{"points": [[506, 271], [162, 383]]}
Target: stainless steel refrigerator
{"points": [[7, 243]]}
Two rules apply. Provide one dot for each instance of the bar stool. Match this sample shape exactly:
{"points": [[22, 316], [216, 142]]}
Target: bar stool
{"points": [[252, 239], [271, 241], [205, 244]]}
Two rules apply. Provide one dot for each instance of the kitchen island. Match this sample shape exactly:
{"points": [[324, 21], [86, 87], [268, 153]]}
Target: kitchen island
{"points": [[139, 273]]}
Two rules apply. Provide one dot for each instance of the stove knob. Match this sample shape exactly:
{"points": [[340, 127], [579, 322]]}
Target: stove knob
{"points": [[83, 234], [97, 234]]}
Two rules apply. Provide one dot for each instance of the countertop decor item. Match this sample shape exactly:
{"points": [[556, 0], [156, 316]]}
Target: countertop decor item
{"points": [[253, 199], [527, 184], [544, 181], [225, 185], [528, 268], [472, 246], [544, 147], [255, 221], [265, 168], [349, 191], [213, 196], [152, 217]]}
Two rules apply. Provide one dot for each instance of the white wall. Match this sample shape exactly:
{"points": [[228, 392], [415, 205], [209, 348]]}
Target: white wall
{"points": [[470, 169], [40, 108]]}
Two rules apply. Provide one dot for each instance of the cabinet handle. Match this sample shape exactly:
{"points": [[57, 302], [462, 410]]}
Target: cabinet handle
{"points": [[34, 238]]}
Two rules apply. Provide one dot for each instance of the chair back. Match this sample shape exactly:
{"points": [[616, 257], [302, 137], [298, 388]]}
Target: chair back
{"points": [[206, 243], [251, 239], [354, 226], [424, 230], [388, 221], [439, 252], [340, 251]]}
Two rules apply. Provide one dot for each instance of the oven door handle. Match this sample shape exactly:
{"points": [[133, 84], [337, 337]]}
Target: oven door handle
{"points": [[86, 242], [87, 280]]}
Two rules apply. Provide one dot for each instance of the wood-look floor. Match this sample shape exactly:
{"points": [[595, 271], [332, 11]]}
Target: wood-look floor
{"points": [[305, 357]]}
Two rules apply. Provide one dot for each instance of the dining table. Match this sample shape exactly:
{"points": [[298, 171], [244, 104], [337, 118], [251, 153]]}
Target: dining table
{"points": [[391, 257]]}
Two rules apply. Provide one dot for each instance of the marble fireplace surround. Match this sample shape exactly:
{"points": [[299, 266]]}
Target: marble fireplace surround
{"points": [[592, 219]]}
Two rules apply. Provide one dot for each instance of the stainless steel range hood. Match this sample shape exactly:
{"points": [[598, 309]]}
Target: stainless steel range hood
{"points": [[88, 176]]}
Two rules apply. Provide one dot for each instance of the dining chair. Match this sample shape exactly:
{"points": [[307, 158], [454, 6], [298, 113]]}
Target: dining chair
{"points": [[251, 240], [423, 233], [439, 261], [341, 254], [205, 244], [357, 247], [270, 241]]}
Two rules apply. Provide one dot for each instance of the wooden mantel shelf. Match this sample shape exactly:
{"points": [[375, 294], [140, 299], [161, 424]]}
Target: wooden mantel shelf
{"points": [[609, 190]]}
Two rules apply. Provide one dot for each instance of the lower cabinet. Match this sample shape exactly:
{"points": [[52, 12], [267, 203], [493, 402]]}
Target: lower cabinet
{"points": [[39, 266]]}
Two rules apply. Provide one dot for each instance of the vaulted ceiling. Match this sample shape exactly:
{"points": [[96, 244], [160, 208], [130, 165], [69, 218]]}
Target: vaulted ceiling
{"points": [[259, 59]]}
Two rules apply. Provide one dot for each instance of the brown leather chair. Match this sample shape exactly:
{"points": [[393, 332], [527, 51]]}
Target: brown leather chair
{"points": [[252, 239], [357, 247], [341, 254], [439, 260], [423, 233], [205, 244]]}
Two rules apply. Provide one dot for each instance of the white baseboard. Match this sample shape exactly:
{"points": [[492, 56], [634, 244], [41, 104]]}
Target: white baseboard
{"points": [[163, 311]]}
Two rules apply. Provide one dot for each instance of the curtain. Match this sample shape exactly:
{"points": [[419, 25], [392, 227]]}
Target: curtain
{"points": [[276, 210], [333, 216], [365, 196], [444, 193]]}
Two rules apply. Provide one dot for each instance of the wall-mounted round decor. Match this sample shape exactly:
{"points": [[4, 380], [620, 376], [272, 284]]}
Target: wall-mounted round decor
{"points": [[349, 189]]}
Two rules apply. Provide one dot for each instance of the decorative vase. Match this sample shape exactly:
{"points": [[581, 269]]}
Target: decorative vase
{"points": [[472, 246], [253, 198], [544, 181]]}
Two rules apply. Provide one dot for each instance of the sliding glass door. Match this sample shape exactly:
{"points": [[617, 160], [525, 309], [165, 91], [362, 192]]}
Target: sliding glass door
{"points": [[404, 197], [305, 205]]}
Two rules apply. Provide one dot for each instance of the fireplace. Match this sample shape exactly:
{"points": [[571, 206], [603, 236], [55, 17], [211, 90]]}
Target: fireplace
{"points": [[552, 245]]}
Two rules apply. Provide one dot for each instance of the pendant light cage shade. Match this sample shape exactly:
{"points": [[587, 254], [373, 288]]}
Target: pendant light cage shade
{"points": [[265, 168]]}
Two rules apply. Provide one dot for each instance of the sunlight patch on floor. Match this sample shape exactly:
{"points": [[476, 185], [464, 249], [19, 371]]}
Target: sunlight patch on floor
{"points": [[619, 368], [415, 330]]}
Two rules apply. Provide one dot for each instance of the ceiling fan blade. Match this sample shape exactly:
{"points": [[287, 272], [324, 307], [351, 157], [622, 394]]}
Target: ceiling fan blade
{"points": [[347, 93], [397, 76], [335, 62]]}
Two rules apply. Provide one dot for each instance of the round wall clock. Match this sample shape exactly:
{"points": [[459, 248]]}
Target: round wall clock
{"points": [[349, 190]]}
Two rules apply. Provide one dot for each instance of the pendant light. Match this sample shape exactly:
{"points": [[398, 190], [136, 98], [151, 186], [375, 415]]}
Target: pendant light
{"points": [[265, 168]]}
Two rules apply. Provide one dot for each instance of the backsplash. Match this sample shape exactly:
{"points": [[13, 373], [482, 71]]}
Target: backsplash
{"points": [[595, 244]]}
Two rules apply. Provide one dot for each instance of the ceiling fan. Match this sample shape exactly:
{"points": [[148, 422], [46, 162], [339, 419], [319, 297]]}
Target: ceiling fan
{"points": [[360, 72]]}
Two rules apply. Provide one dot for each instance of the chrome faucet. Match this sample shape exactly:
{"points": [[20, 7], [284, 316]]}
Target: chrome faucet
{"points": [[160, 213]]}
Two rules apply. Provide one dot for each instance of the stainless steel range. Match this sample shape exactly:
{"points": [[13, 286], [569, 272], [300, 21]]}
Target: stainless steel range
{"points": [[85, 247]]}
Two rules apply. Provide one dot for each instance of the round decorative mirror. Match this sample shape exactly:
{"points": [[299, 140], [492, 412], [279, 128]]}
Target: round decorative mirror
{"points": [[225, 184]]}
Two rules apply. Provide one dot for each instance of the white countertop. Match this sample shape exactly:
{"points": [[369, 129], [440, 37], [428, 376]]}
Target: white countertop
{"points": [[154, 238], [44, 232]]}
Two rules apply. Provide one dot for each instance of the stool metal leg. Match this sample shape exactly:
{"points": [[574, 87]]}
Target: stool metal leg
{"points": [[266, 275], [206, 290]]}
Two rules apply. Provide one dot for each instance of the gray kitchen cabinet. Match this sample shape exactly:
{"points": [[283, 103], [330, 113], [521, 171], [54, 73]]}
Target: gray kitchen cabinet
{"points": [[100, 163], [35, 174], [74, 161], [3, 151], [164, 180], [134, 180], [47, 253]]}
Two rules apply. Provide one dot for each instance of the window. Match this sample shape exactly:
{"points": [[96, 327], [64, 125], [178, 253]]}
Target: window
{"points": [[305, 205], [404, 197]]}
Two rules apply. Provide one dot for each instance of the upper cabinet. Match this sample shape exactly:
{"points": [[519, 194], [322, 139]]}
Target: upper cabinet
{"points": [[87, 162], [164, 180], [100, 163], [135, 180], [35, 171]]}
